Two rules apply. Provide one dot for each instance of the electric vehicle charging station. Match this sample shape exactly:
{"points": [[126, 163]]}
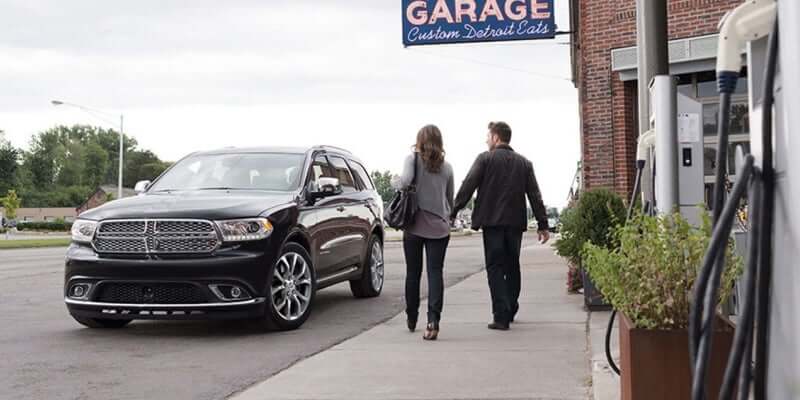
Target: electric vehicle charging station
{"points": [[768, 332], [678, 140], [784, 351]]}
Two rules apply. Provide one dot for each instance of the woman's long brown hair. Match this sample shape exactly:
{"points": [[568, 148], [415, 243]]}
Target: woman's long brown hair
{"points": [[430, 148]]}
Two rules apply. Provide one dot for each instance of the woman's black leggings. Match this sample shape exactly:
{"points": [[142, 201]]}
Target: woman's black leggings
{"points": [[435, 250]]}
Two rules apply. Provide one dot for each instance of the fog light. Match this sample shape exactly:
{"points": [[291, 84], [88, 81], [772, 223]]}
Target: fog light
{"points": [[80, 290], [229, 292]]}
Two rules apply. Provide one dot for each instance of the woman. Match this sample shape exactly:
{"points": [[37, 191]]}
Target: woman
{"points": [[431, 229]]}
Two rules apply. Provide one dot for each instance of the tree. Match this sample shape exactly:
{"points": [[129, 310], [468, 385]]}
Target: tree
{"points": [[9, 157], [11, 204], [383, 184], [96, 164], [65, 164]]}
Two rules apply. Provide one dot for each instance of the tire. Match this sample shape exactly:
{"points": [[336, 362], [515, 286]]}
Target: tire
{"points": [[373, 270], [285, 291], [100, 323]]}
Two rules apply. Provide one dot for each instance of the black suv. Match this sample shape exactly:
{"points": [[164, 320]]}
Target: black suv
{"points": [[233, 234]]}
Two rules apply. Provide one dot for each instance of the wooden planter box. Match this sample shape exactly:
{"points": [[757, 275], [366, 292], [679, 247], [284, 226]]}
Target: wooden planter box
{"points": [[655, 364]]}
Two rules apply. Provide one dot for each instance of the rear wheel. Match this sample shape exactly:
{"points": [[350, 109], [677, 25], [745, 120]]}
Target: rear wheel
{"points": [[100, 323], [291, 289], [371, 282]]}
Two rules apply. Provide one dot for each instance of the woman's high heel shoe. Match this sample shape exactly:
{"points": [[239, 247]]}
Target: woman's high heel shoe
{"points": [[431, 331]]}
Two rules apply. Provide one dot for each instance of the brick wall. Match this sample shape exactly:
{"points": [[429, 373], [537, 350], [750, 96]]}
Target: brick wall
{"points": [[608, 105]]}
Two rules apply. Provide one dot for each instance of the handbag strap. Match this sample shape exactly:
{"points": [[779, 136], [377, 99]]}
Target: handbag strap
{"points": [[414, 180]]}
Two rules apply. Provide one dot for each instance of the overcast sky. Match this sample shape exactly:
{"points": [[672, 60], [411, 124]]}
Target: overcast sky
{"points": [[197, 75]]}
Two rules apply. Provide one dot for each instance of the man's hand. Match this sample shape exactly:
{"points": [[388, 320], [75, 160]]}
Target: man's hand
{"points": [[544, 236]]}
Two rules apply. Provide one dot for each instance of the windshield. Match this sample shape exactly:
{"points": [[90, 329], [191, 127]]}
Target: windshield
{"points": [[245, 171]]}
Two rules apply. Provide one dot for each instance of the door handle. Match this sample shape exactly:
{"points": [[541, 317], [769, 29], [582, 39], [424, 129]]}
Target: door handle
{"points": [[340, 209]]}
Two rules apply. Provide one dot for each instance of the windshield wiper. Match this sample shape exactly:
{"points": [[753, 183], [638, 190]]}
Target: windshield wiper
{"points": [[218, 188]]}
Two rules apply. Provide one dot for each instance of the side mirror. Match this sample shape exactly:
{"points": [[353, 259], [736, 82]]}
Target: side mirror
{"points": [[141, 187], [326, 187]]}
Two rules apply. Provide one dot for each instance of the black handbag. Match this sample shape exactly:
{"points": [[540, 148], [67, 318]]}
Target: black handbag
{"points": [[403, 208]]}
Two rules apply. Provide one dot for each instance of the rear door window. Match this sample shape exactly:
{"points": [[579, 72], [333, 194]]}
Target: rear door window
{"points": [[362, 175]]}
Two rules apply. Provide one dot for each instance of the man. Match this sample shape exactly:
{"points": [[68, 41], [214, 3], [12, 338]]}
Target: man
{"points": [[503, 178]]}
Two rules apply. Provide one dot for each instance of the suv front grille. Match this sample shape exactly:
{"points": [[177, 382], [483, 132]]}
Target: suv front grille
{"points": [[156, 236], [150, 293]]}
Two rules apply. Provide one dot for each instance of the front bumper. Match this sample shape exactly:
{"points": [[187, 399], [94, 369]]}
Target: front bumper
{"points": [[231, 310], [244, 267]]}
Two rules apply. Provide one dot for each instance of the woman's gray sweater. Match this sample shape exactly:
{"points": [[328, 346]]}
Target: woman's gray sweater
{"points": [[434, 190]]}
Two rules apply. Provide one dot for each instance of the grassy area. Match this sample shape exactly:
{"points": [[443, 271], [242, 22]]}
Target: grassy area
{"points": [[33, 243]]}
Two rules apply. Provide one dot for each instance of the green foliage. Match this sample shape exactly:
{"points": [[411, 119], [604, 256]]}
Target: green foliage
{"points": [[649, 276], [9, 157], [65, 164], [552, 212], [383, 184], [589, 221], [11, 203], [55, 226]]}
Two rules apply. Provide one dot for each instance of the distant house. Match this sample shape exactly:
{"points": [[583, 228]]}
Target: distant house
{"points": [[49, 214], [102, 195]]}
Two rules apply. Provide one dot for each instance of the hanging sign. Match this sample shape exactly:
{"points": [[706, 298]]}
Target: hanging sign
{"points": [[467, 21]]}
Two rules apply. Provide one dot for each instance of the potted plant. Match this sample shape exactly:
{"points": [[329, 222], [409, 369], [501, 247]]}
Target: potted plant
{"points": [[648, 278], [590, 220]]}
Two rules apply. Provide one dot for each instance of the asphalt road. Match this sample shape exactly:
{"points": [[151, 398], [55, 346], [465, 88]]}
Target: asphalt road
{"points": [[44, 354]]}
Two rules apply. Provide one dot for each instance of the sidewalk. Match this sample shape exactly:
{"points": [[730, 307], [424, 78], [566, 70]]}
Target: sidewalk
{"points": [[544, 356], [605, 383]]}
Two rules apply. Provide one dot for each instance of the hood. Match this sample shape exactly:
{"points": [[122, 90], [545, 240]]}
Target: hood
{"points": [[212, 205]]}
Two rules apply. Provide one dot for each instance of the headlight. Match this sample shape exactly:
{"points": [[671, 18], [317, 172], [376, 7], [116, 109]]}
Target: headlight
{"points": [[83, 230], [242, 230]]}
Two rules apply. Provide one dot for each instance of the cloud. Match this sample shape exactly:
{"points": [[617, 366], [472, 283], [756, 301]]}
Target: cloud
{"points": [[203, 74]]}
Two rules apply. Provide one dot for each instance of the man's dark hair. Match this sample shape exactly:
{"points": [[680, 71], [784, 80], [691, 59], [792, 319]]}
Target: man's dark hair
{"points": [[502, 130]]}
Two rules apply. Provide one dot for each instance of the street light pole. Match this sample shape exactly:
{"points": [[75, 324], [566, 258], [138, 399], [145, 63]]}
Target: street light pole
{"points": [[121, 136], [121, 156]]}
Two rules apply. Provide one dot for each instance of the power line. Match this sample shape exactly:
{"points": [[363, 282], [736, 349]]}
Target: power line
{"points": [[486, 64]]}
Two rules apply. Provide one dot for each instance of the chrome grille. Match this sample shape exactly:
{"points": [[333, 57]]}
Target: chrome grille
{"points": [[157, 236]]}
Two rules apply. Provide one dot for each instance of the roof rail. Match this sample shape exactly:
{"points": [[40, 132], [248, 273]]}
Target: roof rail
{"points": [[327, 147]]}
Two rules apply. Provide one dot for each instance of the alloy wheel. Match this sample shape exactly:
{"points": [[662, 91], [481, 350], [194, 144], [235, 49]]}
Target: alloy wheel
{"points": [[377, 266], [291, 286]]}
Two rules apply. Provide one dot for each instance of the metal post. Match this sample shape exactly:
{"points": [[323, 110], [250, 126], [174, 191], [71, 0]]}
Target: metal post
{"points": [[121, 151], [652, 55], [665, 107], [651, 50]]}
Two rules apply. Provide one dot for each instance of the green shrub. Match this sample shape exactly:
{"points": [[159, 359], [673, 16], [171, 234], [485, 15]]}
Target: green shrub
{"points": [[590, 221], [55, 226], [649, 277]]}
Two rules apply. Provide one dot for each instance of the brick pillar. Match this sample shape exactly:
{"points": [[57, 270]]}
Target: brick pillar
{"points": [[625, 135]]}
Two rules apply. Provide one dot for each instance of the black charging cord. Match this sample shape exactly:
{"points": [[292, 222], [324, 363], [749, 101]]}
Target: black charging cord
{"points": [[766, 221], [755, 304], [640, 164]]}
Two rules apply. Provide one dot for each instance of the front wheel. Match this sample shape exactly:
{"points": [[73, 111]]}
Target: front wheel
{"points": [[371, 282], [100, 323], [291, 289]]}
